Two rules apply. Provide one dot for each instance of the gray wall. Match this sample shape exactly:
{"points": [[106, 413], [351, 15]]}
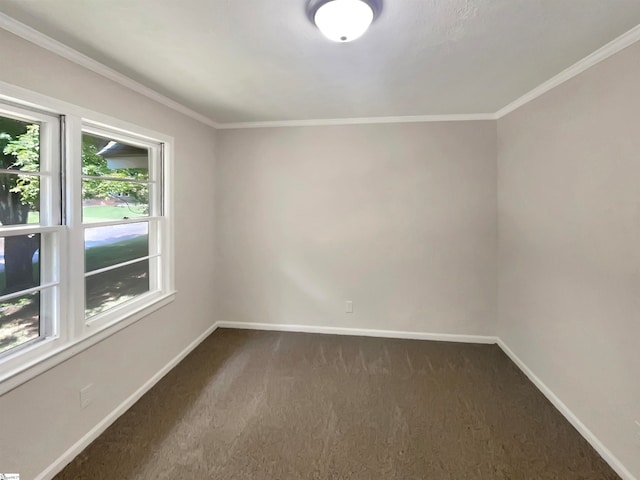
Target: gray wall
{"points": [[402, 220], [569, 215], [42, 418], [398, 218]]}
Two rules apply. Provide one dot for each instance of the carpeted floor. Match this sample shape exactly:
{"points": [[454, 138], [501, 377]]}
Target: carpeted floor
{"points": [[279, 406]]}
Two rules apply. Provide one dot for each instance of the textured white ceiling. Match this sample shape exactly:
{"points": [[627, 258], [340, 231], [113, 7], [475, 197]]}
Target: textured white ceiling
{"points": [[263, 60]]}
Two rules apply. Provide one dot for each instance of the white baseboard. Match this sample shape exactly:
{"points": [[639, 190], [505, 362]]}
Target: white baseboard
{"points": [[588, 435], [359, 332], [95, 432], [81, 444]]}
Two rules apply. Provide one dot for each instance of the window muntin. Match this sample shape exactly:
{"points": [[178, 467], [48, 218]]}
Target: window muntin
{"points": [[19, 155], [30, 214], [107, 289], [114, 244], [120, 211], [115, 179], [107, 200], [20, 320], [60, 327]]}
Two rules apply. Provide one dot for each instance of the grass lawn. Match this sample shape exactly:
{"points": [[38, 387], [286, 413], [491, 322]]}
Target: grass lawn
{"points": [[19, 317], [101, 213], [104, 255], [117, 252], [110, 288]]}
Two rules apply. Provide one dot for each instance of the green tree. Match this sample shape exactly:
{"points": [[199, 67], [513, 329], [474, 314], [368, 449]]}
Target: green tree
{"points": [[20, 193], [95, 165]]}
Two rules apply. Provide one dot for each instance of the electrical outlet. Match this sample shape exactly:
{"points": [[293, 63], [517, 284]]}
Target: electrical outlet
{"points": [[348, 306], [637, 424], [86, 396]]}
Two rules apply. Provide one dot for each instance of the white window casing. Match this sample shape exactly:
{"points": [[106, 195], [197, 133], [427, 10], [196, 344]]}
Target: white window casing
{"points": [[64, 329]]}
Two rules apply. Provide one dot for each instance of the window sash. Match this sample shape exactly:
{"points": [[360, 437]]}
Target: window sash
{"points": [[27, 291], [50, 222], [50, 295], [62, 225], [154, 220], [118, 265], [114, 179], [38, 173], [49, 160]]}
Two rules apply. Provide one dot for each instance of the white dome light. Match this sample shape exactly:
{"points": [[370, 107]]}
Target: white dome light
{"points": [[343, 20]]}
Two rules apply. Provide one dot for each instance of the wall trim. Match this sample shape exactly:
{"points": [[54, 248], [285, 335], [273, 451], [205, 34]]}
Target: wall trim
{"points": [[40, 39], [72, 452], [623, 41], [96, 431], [359, 332], [566, 412], [463, 117], [41, 364], [588, 435], [32, 35]]}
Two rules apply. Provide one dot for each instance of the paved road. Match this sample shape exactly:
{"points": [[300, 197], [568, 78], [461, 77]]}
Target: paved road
{"points": [[97, 236]]}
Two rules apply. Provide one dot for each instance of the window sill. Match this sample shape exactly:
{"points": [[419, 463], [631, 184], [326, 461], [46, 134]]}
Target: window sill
{"points": [[27, 371]]}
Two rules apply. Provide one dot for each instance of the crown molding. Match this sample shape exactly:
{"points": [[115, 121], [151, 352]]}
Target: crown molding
{"points": [[32, 35], [360, 121], [616, 45], [623, 41]]}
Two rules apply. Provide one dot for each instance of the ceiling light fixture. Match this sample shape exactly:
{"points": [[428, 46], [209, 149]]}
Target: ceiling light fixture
{"points": [[343, 20]]}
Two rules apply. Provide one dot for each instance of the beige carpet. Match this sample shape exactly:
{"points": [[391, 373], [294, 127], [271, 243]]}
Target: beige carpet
{"points": [[268, 405]]}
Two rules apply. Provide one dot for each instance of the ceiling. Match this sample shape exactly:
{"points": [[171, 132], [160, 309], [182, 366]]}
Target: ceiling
{"points": [[263, 60]]}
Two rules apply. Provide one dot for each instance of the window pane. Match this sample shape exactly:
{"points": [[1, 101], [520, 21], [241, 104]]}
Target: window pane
{"points": [[19, 263], [19, 145], [108, 200], [108, 289], [106, 157], [19, 320], [19, 199], [107, 246]]}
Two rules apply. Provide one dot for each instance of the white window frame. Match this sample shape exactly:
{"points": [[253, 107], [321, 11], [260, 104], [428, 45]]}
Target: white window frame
{"points": [[51, 233], [155, 222], [70, 332]]}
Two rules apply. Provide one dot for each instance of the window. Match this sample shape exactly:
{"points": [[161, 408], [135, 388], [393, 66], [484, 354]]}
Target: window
{"points": [[85, 233], [121, 216], [30, 227]]}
